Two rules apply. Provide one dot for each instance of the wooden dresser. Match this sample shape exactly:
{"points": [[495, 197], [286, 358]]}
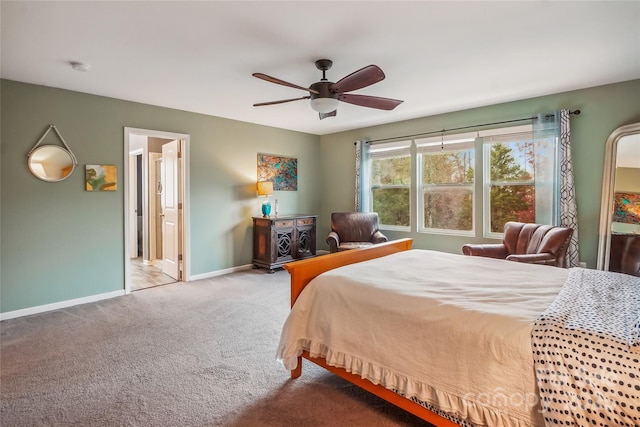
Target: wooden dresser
{"points": [[282, 239], [625, 253]]}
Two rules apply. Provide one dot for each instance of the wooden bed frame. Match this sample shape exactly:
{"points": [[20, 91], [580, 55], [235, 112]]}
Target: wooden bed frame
{"points": [[302, 272]]}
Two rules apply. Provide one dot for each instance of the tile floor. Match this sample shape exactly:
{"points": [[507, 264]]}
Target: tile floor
{"points": [[147, 276]]}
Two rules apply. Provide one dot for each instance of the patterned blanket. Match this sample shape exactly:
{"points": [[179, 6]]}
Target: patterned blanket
{"points": [[586, 351]]}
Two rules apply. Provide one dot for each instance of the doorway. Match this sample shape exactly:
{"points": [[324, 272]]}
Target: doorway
{"points": [[156, 206]]}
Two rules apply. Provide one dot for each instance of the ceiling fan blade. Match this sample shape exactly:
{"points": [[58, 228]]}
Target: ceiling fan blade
{"points": [[260, 104], [329, 114], [370, 101], [283, 83], [358, 79]]}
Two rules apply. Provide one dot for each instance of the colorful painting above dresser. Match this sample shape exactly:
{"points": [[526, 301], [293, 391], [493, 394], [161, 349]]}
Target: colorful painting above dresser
{"points": [[282, 171]]}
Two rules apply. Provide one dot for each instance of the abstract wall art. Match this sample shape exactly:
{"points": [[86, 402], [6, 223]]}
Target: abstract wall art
{"points": [[626, 208], [282, 171]]}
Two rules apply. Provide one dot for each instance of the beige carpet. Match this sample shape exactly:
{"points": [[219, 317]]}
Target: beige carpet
{"points": [[184, 354]]}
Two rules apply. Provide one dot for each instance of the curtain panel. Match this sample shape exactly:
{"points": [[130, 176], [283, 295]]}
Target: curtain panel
{"points": [[558, 125], [362, 190], [568, 205]]}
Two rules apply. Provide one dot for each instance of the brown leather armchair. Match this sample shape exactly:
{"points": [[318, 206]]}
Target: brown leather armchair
{"points": [[530, 243], [352, 230]]}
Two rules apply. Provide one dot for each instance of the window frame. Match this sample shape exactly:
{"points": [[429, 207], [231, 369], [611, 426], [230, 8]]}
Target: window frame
{"points": [[394, 149], [480, 143], [520, 133], [453, 143]]}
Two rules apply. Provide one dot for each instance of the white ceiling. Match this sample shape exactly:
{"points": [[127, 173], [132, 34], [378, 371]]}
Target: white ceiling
{"points": [[438, 56]]}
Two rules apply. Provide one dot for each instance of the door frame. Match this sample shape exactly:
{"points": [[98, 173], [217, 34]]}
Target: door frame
{"points": [[185, 172], [133, 198]]}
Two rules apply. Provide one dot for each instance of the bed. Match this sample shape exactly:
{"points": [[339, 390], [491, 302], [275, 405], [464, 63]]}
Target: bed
{"points": [[449, 339]]}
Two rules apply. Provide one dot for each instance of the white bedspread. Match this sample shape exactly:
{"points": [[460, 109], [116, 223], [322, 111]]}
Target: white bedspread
{"points": [[450, 330]]}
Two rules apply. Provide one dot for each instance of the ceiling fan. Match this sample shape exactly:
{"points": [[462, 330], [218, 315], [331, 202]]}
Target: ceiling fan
{"points": [[324, 95]]}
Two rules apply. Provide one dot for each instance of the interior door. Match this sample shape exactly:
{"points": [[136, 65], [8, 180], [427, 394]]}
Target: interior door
{"points": [[170, 205], [155, 206]]}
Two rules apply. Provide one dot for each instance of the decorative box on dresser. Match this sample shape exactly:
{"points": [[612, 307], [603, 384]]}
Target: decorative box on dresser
{"points": [[282, 239]]}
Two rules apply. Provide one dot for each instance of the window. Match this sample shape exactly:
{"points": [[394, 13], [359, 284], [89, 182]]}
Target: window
{"points": [[519, 179], [445, 184], [391, 183]]}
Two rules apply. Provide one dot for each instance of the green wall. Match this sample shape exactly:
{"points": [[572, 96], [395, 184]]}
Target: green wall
{"points": [[59, 242], [603, 109]]}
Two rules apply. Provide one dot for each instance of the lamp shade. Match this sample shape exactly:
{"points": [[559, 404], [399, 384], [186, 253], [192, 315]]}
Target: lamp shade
{"points": [[265, 188]]}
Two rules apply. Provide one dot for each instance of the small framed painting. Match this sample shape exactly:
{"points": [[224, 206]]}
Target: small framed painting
{"points": [[100, 178]]}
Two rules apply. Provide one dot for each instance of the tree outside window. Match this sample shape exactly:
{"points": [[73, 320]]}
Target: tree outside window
{"points": [[520, 184], [447, 182], [391, 182]]}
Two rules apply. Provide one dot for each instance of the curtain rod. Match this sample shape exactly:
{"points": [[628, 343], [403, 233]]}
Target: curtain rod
{"points": [[576, 112]]}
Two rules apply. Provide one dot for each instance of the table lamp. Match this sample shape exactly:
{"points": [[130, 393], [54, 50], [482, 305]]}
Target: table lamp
{"points": [[265, 188]]}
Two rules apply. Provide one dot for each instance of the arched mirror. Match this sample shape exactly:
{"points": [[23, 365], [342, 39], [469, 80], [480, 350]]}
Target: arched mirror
{"points": [[51, 163], [619, 244]]}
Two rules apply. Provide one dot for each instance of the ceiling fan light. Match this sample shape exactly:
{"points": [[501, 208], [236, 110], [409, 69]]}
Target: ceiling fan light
{"points": [[324, 105]]}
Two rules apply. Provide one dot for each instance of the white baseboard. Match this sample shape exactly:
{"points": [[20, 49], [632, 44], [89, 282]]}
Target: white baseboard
{"points": [[93, 298], [220, 272], [58, 305]]}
